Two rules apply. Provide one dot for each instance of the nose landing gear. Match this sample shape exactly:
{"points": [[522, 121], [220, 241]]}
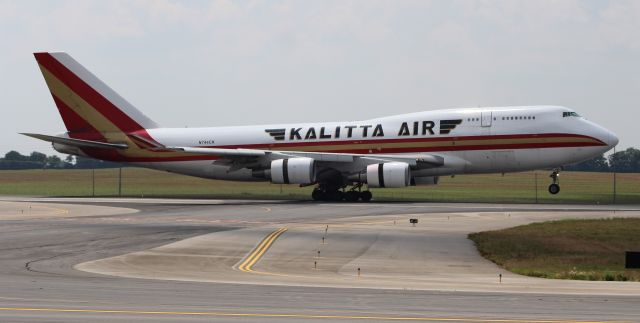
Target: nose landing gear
{"points": [[554, 188]]}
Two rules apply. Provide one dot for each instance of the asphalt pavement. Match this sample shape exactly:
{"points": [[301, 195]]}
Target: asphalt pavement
{"points": [[104, 260]]}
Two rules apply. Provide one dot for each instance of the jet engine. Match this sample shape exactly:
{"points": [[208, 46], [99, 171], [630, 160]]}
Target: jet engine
{"points": [[300, 170], [393, 174]]}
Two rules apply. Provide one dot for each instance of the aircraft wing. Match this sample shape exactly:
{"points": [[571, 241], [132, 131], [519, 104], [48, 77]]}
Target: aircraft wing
{"points": [[240, 157], [415, 161]]}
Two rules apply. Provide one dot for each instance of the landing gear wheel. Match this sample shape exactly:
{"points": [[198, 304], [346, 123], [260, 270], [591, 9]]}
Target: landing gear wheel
{"points": [[351, 196], [335, 196], [366, 196], [554, 189], [318, 195]]}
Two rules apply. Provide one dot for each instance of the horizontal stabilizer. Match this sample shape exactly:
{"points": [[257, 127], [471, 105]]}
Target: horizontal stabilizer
{"points": [[76, 142]]}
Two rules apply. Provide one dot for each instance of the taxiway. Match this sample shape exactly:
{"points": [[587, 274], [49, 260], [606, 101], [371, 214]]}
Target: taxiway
{"points": [[102, 260]]}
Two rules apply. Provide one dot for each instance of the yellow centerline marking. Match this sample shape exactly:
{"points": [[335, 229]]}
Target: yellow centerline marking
{"points": [[297, 316], [257, 253]]}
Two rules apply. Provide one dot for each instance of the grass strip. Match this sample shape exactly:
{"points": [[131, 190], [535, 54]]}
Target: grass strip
{"points": [[577, 187], [566, 249]]}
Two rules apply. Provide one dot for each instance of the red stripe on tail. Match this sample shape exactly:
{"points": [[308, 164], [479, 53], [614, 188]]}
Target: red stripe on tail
{"points": [[74, 122], [87, 93]]}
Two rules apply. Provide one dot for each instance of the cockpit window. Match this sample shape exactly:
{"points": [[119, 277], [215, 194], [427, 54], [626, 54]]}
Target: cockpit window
{"points": [[570, 114]]}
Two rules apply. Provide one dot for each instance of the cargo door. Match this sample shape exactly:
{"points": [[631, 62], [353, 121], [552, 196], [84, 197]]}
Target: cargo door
{"points": [[487, 117]]}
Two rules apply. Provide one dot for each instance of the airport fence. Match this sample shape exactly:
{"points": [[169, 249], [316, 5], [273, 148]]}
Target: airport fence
{"points": [[526, 187]]}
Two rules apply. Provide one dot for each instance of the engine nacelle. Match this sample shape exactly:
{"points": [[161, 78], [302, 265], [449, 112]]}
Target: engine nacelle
{"points": [[425, 180], [300, 170], [393, 174], [66, 149]]}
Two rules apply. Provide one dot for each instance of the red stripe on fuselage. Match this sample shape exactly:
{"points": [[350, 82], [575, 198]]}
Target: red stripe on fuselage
{"points": [[275, 145]]}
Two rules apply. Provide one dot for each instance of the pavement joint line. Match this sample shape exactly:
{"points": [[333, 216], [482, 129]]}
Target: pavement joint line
{"points": [[293, 315], [256, 254]]}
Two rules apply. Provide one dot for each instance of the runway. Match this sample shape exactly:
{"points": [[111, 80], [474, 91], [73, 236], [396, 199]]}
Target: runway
{"points": [[104, 260]]}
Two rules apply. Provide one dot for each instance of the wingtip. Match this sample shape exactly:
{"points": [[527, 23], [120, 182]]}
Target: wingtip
{"points": [[35, 135]]}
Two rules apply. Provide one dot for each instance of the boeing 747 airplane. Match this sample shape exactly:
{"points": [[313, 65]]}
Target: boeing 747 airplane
{"points": [[342, 159]]}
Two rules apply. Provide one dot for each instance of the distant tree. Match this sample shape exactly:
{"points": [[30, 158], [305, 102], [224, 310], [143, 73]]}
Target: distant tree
{"points": [[54, 161], [15, 160], [15, 156], [626, 161], [596, 164], [39, 158]]}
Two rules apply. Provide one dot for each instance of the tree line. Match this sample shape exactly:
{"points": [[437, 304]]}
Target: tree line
{"points": [[38, 160], [626, 161]]}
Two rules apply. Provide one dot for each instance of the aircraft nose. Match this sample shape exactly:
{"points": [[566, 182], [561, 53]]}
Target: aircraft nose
{"points": [[604, 135], [612, 139]]}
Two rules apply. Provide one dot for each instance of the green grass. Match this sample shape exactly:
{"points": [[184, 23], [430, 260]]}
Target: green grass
{"points": [[577, 187], [568, 249]]}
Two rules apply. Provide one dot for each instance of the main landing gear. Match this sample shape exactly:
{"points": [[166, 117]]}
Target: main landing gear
{"points": [[554, 188], [337, 194]]}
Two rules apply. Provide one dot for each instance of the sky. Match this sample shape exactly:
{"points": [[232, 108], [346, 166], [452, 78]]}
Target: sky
{"points": [[220, 63]]}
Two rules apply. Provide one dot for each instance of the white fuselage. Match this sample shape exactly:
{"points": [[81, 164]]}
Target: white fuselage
{"points": [[479, 140]]}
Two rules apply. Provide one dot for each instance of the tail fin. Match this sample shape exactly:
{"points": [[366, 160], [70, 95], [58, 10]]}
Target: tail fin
{"points": [[86, 104]]}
